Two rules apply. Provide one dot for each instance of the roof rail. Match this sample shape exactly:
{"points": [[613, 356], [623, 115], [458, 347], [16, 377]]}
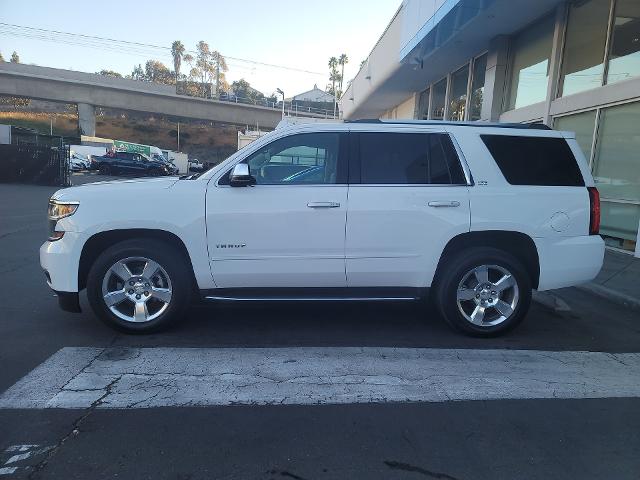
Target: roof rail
{"points": [[532, 126]]}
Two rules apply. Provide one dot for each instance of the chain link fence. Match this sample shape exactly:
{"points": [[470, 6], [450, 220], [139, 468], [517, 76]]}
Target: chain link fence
{"points": [[35, 164]]}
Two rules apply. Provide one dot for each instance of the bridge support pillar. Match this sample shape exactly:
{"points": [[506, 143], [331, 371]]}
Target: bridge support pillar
{"points": [[87, 119]]}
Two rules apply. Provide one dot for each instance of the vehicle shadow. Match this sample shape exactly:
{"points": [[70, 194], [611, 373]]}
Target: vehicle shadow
{"points": [[372, 324]]}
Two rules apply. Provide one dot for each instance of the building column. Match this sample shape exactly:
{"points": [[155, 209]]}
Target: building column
{"points": [[555, 60], [87, 119], [495, 79]]}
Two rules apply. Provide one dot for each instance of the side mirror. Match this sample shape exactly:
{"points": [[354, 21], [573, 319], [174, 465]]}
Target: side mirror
{"points": [[240, 176]]}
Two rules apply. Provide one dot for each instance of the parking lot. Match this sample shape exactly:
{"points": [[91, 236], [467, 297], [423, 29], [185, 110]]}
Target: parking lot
{"points": [[340, 431]]}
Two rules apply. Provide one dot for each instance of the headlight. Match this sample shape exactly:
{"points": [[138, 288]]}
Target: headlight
{"points": [[58, 210], [55, 212]]}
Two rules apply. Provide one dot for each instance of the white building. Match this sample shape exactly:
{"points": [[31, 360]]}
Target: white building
{"points": [[313, 96], [573, 65]]}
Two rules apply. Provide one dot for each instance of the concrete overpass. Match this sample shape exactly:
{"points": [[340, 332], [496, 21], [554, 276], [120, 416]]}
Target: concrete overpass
{"points": [[89, 90]]}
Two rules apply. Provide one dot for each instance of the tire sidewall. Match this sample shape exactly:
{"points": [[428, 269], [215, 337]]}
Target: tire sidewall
{"points": [[157, 251], [460, 265]]}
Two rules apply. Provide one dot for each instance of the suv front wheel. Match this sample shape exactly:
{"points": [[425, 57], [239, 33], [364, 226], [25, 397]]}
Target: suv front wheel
{"points": [[139, 285], [483, 291]]}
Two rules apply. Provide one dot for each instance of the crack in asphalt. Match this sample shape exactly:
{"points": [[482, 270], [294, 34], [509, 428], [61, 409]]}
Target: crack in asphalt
{"points": [[41, 465], [36, 469], [285, 473], [412, 468]]}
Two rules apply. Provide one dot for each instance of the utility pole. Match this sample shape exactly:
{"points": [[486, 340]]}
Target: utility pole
{"points": [[217, 75], [281, 93], [178, 136], [51, 126]]}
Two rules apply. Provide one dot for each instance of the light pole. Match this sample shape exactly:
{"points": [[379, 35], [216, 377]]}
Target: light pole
{"points": [[281, 93]]}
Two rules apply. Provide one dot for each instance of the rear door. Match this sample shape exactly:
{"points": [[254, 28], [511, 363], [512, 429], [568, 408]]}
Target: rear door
{"points": [[408, 196], [533, 183]]}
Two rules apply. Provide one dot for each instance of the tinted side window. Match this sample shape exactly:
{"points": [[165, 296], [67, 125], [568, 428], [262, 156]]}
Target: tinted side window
{"points": [[409, 158], [534, 160]]}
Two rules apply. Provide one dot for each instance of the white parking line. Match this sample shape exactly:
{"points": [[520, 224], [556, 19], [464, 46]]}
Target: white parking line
{"points": [[29, 450], [160, 377]]}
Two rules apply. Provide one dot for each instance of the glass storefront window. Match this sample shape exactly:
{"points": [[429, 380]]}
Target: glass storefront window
{"points": [[616, 170], [530, 64], [423, 105], [438, 99], [583, 125], [624, 59], [583, 59], [477, 87], [458, 95], [620, 224]]}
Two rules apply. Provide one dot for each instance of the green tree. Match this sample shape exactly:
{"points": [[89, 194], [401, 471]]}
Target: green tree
{"points": [[342, 61], [15, 102], [15, 58], [138, 73], [157, 72], [109, 73], [177, 52], [241, 88], [206, 67], [333, 74]]}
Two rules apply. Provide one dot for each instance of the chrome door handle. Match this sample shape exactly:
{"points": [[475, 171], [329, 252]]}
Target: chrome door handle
{"points": [[323, 204], [444, 204]]}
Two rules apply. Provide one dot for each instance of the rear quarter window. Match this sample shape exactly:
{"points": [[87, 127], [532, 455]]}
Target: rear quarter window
{"points": [[534, 160]]}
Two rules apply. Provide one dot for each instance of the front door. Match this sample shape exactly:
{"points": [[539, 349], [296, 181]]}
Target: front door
{"points": [[289, 229], [408, 198]]}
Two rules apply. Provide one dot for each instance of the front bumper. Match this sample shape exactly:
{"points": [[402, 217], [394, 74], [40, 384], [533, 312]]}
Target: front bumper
{"points": [[69, 301], [61, 260]]}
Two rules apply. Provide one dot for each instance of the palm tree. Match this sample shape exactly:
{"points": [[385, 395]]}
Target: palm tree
{"points": [[333, 73], [343, 60], [177, 51]]}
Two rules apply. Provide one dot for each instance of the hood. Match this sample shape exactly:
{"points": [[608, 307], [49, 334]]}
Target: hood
{"points": [[134, 186]]}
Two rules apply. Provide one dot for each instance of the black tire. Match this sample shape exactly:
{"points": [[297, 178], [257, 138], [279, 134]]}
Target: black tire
{"points": [[176, 267], [455, 268], [105, 170]]}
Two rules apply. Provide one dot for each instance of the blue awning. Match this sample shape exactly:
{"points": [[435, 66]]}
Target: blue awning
{"points": [[444, 25]]}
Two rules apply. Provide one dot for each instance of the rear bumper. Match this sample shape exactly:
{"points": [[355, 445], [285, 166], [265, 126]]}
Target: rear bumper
{"points": [[565, 262]]}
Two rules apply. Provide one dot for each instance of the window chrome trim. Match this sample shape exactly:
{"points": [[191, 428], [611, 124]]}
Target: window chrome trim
{"points": [[462, 160]]}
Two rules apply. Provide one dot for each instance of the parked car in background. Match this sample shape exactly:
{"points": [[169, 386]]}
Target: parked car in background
{"points": [[196, 165], [126, 163], [472, 216], [78, 162], [173, 169]]}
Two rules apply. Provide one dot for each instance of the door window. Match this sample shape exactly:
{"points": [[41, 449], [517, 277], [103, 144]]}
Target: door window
{"points": [[310, 158], [409, 158]]}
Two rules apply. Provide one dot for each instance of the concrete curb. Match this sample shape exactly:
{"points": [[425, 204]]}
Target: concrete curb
{"points": [[614, 296]]}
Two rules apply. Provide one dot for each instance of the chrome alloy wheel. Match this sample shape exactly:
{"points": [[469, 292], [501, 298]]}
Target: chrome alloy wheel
{"points": [[487, 295], [136, 289]]}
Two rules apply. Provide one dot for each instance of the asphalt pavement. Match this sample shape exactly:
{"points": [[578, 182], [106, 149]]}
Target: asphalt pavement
{"points": [[527, 437]]}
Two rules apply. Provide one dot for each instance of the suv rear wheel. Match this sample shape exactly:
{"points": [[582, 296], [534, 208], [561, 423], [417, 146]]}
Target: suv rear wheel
{"points": [[139, 286], [483, 291]]}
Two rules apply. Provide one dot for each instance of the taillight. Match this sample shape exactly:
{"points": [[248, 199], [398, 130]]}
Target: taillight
{"points": [[594, 221]]}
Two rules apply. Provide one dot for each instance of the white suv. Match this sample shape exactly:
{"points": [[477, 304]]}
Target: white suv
{"points": [[476, 214]]}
